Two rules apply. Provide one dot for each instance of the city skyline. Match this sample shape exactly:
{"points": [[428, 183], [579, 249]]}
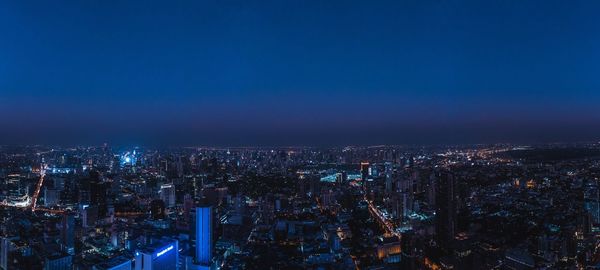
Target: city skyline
{"points": [[299, 135]]}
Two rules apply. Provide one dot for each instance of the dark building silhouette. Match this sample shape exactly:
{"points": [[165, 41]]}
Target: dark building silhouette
{"points": [[445, 210], [67, 233], [157, 209]]}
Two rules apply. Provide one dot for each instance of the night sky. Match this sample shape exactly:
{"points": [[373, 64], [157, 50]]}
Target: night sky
{"points": [[299, 72]]}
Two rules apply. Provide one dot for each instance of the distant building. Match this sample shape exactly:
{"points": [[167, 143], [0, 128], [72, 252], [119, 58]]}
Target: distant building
{"points": [[364, 171], [89, 216], [445, 210], [167, 194], [51, 196]]}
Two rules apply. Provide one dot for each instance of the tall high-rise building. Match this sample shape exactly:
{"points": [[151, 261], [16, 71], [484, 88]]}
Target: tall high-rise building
{"points": [[97, 189], [364, 170], [389, 170], [364, 173], [89, 216], [204, 228], [445, 209], [167, 194], [67, 233]]}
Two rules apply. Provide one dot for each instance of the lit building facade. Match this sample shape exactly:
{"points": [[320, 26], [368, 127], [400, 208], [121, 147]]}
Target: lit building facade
{"points": [[204, 227], [163, 255]]}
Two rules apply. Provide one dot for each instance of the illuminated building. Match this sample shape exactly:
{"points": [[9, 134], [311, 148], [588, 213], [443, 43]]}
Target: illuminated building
{"points": [[128, 159], [388, 177], [445, 210], [97, 190], [204, 227], [158, 256], [16, 193], [89, 216], [364, 170], [167, 194]]}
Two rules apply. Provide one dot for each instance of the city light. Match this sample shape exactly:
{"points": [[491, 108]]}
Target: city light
{"points": [[162, 252]]}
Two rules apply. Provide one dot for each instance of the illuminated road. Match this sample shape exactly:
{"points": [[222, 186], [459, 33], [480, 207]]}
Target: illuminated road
{"points": [[36, 193], [388, 226]]}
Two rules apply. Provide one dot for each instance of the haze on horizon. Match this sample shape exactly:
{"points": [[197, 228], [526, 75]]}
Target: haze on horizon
{"points": [[299, 72]]}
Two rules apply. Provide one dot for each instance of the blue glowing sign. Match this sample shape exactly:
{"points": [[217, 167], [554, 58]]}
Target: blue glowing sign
{"points": [[162, 252]]}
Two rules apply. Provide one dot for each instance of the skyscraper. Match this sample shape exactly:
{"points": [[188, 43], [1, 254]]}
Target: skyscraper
{"points": [[167, 194], [364, 173], [204, 227], [389, 169], [445, 209], [67, 233]]}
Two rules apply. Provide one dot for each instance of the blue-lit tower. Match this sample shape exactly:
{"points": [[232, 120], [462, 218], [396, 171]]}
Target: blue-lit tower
{"points": [[204, 227]]}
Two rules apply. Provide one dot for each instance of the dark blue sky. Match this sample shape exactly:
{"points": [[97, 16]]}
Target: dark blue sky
{"points": [[299, 72]]}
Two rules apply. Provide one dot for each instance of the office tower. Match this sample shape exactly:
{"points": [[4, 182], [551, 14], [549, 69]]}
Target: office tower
{"points": [[389, 170], [445, 209], [89, 216], [204, 227], [592, 201], [158, 256], [97, 189], [167, 194], [188, 206], [51, 196], [67, 233], [431, 189], [364, 173], [364, 170]]}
